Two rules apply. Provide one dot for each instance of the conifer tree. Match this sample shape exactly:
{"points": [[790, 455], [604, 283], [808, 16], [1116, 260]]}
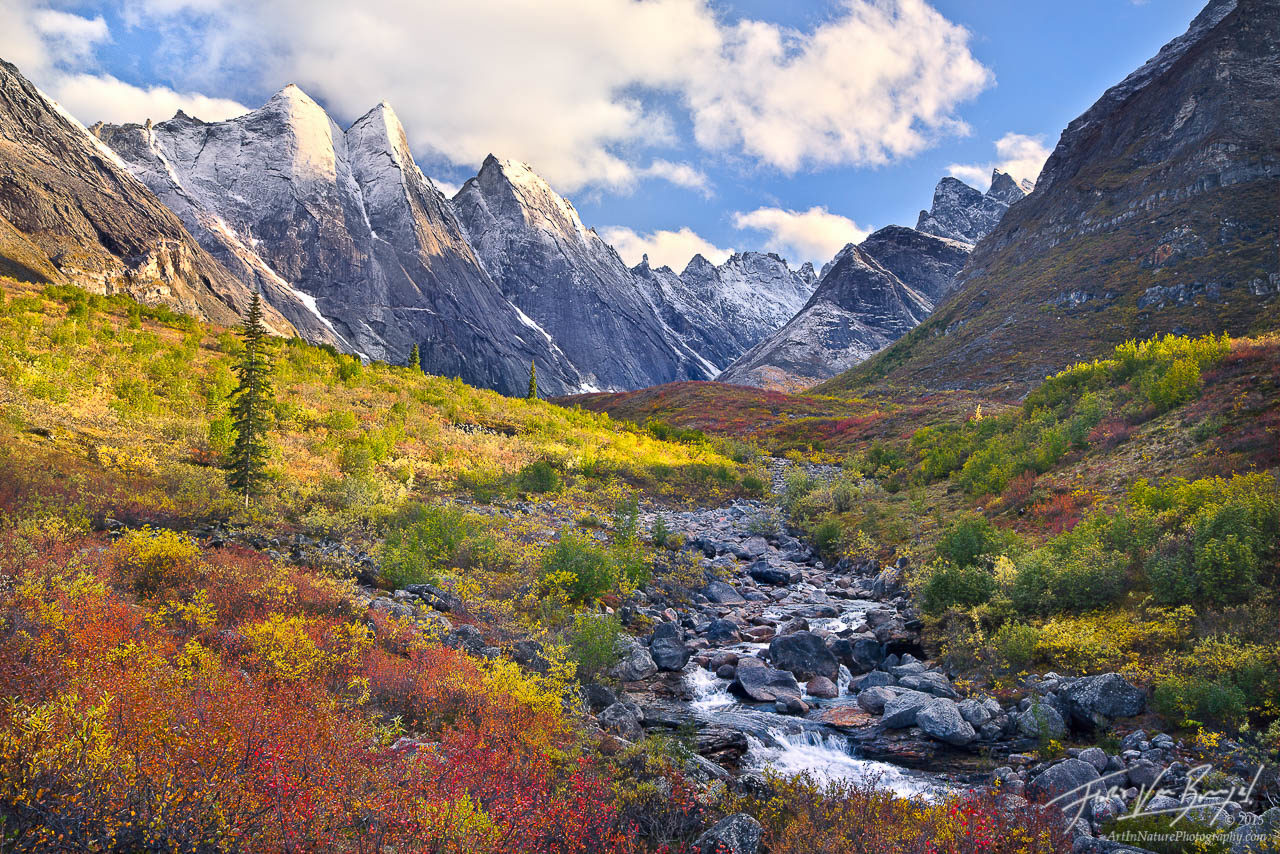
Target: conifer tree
{"points": [[415, 359], [250, 404], [533, 381]]}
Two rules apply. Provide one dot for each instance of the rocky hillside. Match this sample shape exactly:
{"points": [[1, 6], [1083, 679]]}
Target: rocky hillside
{"points": [[347, 220], [70, 212], [1155, 213]]}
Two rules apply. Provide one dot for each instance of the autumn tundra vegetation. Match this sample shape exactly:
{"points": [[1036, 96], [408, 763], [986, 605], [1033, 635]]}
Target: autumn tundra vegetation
{"points": [[188, 670]]}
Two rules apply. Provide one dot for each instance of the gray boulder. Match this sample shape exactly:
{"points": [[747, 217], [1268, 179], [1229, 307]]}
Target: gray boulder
{"points": [[636, 665], [941, 719], [860, 653], [1066, 782], [763, 573], [757, 681], [875, 698], [975, 712], [624, 720], [821, 686], [1041, 721], [900, 712], [1095, 756], [723, 594], [667, 647], [723, 631], [874, 679], [1093, 702], [804, 654], [931, 682], [737, 834]]}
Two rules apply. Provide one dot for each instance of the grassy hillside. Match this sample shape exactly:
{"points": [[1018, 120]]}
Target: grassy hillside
{"points": [[183, 672]]}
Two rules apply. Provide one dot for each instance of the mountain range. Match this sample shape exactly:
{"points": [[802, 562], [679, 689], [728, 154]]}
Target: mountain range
{"points": [[1155, 213]]}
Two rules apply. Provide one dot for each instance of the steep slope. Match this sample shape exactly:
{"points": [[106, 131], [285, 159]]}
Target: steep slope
{"points": [[722, 311], [570, 282], [858, 309], [349, 222], [959, 212], [71, 212], [923, 262], [1156, 213]]}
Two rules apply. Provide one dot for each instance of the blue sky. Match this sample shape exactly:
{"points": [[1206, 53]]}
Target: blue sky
{"points": [[673, 125]]}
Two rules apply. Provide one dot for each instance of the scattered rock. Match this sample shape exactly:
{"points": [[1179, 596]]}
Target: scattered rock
{"points": [[737, 834], [900, 712], [941, 719]]}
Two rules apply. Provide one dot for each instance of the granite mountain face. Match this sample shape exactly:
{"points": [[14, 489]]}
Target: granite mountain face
{"points": [[859, 307], [1155, 213], [570, 282], [962, 213], [724, 310], [348, 220], [70, 212]]}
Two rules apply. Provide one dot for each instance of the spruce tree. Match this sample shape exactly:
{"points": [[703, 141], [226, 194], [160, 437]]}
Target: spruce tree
{"points": [[250, 404], [533, 381], [415, 359]]}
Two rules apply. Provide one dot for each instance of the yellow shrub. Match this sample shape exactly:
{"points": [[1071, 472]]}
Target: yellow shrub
{"points": [[148, 559]]}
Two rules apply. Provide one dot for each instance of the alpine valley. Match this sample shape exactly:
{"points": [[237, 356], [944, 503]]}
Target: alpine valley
{"points": [[338, 514]]}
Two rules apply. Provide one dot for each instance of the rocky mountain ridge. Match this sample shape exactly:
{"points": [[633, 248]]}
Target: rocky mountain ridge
{"points": [[874, 292], [960, 212]]}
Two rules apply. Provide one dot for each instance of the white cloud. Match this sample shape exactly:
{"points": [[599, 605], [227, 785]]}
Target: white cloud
{"points": [[680, 174], [877, 82], [1020, 155], [581, 90], [71, 37], [93, 98], [445, 187], [814, 235], [665, 248], [55, 49]]}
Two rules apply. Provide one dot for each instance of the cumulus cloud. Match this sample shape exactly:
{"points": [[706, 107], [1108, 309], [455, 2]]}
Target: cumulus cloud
{"points": [[665, 248], [55, 49], [877, 82], [581, 90], [101, 97], [1020, 155], [680, 174], [814, 235]]}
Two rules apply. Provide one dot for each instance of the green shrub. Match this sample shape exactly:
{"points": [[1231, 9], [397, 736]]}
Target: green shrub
{"points": [[948, 586], [1191, 700], [582, 568], [485, 485], [1016, 644], [970, 539], [538, 477], [593, 643], [425, 541], [826, 536], [1170, 834]]}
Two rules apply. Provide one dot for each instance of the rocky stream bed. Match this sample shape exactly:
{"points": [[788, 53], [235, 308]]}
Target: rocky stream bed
{"points": [[779, 661]]}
